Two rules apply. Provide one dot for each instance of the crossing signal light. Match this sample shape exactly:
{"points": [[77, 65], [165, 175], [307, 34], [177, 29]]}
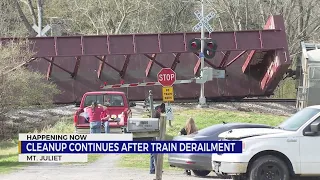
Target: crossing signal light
{"points": [[210, 48], [194, 45]]}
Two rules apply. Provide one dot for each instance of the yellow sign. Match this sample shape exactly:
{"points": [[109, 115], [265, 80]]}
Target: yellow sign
{"points": [[167, 94]]}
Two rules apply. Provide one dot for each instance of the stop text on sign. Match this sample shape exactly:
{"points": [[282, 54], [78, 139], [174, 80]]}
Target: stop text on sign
{"points": [[166, 77]]}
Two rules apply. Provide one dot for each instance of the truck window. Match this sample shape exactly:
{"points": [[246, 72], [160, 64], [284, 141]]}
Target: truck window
{"points": [[300, 118], [93, 98], [111, 100]]}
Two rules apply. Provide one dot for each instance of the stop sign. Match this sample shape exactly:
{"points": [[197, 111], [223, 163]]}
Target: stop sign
{"points": [[166, 77]]}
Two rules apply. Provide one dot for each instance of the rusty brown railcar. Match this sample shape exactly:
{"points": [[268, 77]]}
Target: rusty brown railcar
{"points": [[255, 62]]}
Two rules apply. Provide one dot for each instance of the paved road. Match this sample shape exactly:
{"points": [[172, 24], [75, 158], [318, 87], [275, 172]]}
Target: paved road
{"points": [[103, 169]]}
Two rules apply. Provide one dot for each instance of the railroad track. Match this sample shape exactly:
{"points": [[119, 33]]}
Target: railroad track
{"points": [[261, 100], [235, 100], [216, 100]]}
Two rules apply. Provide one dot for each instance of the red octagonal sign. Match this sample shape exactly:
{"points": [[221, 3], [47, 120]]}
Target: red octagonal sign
{"points": [[166, 77]]}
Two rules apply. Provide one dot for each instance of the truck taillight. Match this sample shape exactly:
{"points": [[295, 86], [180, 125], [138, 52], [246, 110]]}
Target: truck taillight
{"points": [[125, 117], [75, 118]]}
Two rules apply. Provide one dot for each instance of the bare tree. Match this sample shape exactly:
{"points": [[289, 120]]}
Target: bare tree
{"points": [[10, 22], [302, 18], [124, 16], [31, 9], [98, 16], [24, 19], [172, 16]]}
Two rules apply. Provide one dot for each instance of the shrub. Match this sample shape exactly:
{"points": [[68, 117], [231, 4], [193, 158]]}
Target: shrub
{"points": [[18, 85]]}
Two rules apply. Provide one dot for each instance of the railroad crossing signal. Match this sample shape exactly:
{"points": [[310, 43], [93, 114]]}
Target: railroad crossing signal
{"points": [[203, 21], [167, 94], [209, 50], [166, 77], [210, 47], [194, 45], [43, 31]]}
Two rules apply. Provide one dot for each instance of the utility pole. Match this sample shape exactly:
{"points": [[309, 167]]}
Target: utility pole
{"points": [[202, 98], [38, 28], [207, 49], [39, 4], [150, 97], [159, 163]]}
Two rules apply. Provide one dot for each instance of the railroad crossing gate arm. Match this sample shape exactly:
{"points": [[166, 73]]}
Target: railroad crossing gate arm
{"points": [[143, 84]]}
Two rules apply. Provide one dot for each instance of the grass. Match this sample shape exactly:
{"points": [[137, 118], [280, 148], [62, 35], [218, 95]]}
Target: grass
{"points": [[203, 118], [9, 156], [9, 149], [286, 89]]}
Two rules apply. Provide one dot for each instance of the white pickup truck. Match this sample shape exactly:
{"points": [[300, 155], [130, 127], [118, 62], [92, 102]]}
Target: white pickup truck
{"points": [[288, 151]]}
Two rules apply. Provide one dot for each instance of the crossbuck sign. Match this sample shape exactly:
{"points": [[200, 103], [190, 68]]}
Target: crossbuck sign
{"points": [[169, 112], [204, 21], [43, 31]]}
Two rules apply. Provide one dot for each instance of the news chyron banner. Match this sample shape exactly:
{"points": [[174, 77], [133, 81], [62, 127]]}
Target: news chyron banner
{"points": [[64, 147], [76, 147]]}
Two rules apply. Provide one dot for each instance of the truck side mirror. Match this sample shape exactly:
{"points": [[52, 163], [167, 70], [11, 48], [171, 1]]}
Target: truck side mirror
{"points": [[314, 129], [77, 104], [132, 104], [315, 126]]}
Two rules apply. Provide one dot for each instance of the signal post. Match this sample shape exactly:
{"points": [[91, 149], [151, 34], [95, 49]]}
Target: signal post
{"points": [[206, 46], [166, 77]]}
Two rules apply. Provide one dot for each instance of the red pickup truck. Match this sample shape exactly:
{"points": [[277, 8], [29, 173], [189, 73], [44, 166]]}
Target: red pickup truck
{"points": [[118, 109]]}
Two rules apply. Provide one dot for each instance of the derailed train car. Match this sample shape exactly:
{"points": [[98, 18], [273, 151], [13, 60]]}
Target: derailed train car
{"points": [[255, 62]]}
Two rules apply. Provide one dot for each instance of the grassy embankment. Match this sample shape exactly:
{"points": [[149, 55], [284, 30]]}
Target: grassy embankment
{"points": [[9, 149], [203, 118]]}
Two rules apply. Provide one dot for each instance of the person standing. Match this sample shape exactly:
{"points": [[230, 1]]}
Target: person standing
{"points": [[105, 121], [153, 157], [189, 128], [95, 113]]}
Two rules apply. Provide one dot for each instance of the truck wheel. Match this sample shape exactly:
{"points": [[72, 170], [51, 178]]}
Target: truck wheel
{"points": [[200, 172], [268, 168], [124, 130]]}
